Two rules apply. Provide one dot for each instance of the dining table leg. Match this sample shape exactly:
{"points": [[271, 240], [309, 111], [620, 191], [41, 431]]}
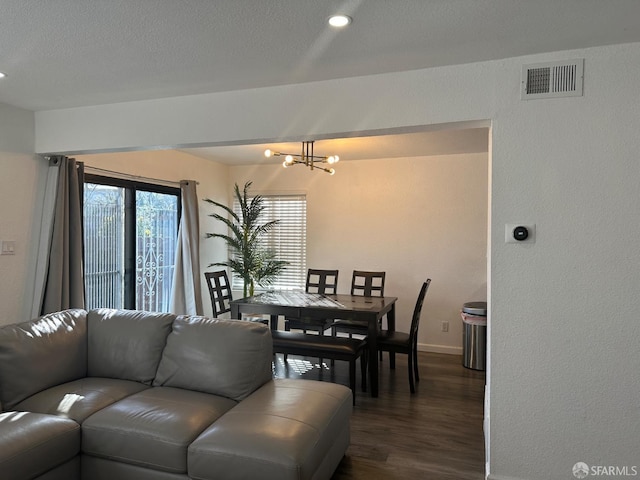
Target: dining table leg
{"points": [[391, 326], [373, 356]]}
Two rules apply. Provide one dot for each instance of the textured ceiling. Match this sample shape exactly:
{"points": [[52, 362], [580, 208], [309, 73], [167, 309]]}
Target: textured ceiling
{"points": [[67, 53], [70, 53]]}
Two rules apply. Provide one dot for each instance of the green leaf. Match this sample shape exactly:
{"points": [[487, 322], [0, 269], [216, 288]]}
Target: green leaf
{"points": [[248, 259]]}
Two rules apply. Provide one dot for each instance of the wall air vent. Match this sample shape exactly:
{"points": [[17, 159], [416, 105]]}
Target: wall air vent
{"points": [[552, 79]]}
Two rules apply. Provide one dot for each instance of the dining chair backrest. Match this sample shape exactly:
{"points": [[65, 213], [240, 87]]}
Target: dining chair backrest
{"points": [[220, 291], [415, 320], [324, 282], [368, 284]]}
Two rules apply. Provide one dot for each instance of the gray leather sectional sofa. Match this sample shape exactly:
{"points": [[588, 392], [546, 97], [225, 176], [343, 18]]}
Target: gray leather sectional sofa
{"points": [[116, 394]]}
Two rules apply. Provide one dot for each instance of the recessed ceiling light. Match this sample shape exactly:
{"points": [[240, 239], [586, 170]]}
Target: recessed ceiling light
{"points": [[339, 21], [2, 75]]}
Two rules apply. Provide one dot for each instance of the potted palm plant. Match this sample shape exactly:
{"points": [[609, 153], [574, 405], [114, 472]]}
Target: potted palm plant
{"points": [[249, 258]]}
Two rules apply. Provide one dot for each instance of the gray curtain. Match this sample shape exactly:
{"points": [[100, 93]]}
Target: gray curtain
{"points": [[64, 279], [186, 295], [46, 230]]}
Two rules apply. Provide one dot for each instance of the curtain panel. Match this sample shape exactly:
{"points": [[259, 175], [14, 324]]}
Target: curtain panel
{"points": [[59, 270], [186, 293]]}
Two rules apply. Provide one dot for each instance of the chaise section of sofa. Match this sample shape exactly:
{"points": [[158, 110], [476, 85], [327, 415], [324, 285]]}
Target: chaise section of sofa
{"points": [[286, 430]]}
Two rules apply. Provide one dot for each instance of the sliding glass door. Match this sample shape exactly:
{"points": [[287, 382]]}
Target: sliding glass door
{"points": [[130, 232]]}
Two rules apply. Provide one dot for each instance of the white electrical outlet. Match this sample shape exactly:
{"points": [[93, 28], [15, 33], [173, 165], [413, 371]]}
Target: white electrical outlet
{"points": [[445, 326]]}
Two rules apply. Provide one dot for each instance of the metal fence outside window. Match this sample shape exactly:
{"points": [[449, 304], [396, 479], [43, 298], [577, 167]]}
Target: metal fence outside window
{"points": [[155, 256], [155, 244]]}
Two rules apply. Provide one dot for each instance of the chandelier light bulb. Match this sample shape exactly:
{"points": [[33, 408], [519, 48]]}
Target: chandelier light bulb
{"points": [[268, 153], [288, 159], [332, 171], [285, 164]]}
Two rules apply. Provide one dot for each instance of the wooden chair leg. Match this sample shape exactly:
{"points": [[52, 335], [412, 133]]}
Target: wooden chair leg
{"points": [[287, 328], [363, 369], [321, 360], [412, 385], [352, 378]]}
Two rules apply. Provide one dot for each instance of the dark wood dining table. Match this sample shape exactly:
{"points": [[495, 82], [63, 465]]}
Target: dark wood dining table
{"points": [[303, 306]]}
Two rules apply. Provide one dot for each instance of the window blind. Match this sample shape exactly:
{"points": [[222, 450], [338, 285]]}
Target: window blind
{"points": [[288, 239]]}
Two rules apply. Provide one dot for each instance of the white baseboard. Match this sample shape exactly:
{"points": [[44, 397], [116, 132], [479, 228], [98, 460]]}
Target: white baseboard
{"points": [[449, 350]]}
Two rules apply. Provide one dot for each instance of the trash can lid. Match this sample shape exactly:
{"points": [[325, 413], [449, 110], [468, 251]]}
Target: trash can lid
{"points": [[475, 308]]}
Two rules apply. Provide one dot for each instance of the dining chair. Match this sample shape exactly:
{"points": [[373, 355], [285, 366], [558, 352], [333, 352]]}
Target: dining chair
{"points": [[221, 296], [407, 343], [220, 292], [324, 282], [366, 284]]}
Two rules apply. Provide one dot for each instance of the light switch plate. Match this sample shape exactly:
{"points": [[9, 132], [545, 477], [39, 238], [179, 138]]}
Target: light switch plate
{"points": [[7, 247], [508, 232]]}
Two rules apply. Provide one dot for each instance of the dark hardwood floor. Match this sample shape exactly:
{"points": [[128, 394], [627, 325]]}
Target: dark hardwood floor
{"points": [[434, 434]]}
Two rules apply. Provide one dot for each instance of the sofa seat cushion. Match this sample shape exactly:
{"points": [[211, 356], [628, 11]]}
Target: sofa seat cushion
{"points": [[286, 430], [229, 358], [152, 428], [81, 398], [32, 443], [41, 353]]}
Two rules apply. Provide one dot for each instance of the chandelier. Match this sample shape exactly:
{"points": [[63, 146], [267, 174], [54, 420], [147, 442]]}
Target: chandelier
{"points": [[306, 157]]}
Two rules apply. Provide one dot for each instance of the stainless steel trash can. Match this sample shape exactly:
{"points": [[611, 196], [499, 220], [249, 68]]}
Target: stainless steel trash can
{"points": [[474, 335]]}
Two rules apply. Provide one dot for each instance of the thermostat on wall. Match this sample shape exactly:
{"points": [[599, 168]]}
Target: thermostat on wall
{"points": [[520, 233]]}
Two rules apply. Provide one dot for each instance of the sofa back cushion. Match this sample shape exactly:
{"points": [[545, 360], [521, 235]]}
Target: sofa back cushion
{"points": [[126, 344], [39, 354], [230, 358]]}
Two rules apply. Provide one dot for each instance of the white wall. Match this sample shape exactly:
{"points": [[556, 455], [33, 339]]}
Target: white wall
{"points": [[563, 312], [21, 176], [212, 178], [413, 218]]}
